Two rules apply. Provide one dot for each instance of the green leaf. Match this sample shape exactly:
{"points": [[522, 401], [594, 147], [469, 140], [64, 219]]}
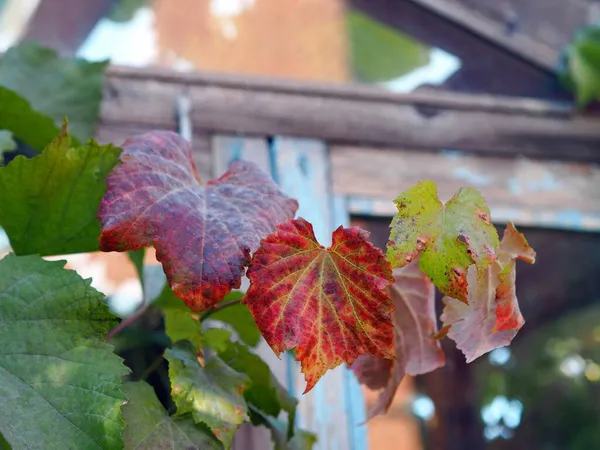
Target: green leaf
{"points": [[18, 117], [180, 322], [60, 382], [380, 53], [584, 66], [4, 445], [449, 237], [265, 393], [149, 426], [181, 325], [239, 318], [218, 339], [212, 394], [54, 197], [137, 258], [580, 65], [56, 87], [302, 440]]}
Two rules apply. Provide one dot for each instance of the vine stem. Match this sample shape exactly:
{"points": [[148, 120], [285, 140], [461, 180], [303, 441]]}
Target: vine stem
{"points": [[152, 367], [209, 312], [126, 322]]}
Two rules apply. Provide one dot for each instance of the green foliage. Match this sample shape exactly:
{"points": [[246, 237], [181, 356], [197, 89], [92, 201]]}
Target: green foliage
{"points": [[212, 393], [54, 197], [239, 318], [150, 427], [137, 258], [266, 394], [448, 237], [59, 380], [180, 323], [53, 86], [581, 72], [379, 53], [18, 117], [302, 440]]}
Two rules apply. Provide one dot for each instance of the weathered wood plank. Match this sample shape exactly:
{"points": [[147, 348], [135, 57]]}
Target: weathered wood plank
{"points": [[354, 116], [65, 24], [481, 58], [533, 193], [552, 27], [528, 29]]}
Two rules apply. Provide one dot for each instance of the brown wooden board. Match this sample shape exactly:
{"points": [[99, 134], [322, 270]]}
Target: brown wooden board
{"points": [[357, 116], [535, 30], [487, 66], [550, 194]]}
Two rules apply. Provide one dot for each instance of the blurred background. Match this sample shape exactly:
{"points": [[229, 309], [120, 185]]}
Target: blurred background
{"points": [[542, 392]]}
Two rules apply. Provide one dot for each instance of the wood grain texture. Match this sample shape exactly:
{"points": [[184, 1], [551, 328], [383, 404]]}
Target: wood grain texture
{"points": [[481, 58], [65, 24], [536, 193], [533, 30], [355, 116]]}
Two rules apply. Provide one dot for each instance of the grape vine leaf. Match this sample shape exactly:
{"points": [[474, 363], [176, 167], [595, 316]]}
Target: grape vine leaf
{"points": [[329, 304], [203, 233], [54, 197], [265, 393], [417, 349], [137, 259], [18, 117], [54, 86], [448, 237], [59, 379], [149, 427], [212, 394], [301, 440], [180, 322], [492, 318], [239, 319]]}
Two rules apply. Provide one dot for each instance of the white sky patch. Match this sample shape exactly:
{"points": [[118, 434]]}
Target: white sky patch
{"points": [[226, 11], [441, 66]]}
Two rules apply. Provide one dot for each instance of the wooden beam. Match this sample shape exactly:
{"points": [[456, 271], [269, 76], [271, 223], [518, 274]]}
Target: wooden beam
{"points": [[357, 116], [487, 66], [544, 194], [519, 44], [65, 24]]}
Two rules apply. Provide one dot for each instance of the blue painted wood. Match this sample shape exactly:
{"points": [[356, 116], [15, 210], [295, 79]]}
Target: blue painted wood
{"points": [[335, 406]]}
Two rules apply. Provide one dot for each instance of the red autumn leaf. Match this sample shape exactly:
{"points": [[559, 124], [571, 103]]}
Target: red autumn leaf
{"points": [[417, 349], [330, 304], [373, 372], [203, 232], [492, 318]]}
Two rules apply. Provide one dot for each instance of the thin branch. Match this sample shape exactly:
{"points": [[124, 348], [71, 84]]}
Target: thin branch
{"points": [[151, 368], [218, 307], [127, 321]]}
